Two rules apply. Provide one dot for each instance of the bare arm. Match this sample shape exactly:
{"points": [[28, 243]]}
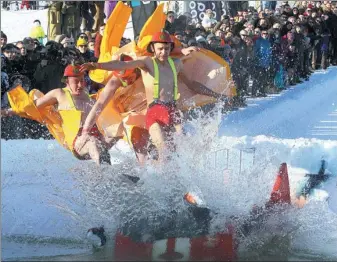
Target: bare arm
{"points": [[115, 65], [184, 51], [196, 86], [48, 99], [7, 112], [107, 94]]}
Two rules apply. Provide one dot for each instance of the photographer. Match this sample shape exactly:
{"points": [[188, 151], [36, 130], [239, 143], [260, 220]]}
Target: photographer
{"points": [[49, 71]]}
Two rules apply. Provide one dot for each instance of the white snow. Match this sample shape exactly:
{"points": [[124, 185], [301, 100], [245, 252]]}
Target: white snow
{"points": [[18, 24], [308, 110]]}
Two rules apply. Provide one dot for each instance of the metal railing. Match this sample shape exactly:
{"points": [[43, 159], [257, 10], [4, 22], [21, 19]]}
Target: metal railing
{"points": [[220, 160]]}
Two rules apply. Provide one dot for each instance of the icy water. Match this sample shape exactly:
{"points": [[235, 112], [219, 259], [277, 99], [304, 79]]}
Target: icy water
{"points": [[49, 200]]}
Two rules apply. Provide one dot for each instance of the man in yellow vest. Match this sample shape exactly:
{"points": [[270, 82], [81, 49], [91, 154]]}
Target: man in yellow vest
{"points": [[159, 74], [74, 98]]}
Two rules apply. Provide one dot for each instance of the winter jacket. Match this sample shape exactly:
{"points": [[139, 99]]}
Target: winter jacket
{"points": [[98, 41], [263, 52]]}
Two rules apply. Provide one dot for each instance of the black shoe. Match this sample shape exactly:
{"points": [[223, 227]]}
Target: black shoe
{"points": [[96, 236], [133, 179]]}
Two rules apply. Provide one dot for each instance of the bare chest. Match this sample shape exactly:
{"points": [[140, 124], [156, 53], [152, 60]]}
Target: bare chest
{"points": [[80, 103]]}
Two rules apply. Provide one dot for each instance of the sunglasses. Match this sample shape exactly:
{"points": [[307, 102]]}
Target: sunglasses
{"points": [[82, 46], [264, 34]]}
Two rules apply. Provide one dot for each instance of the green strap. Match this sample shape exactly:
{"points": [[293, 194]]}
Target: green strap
{"points": [[156, 79], [124, 83]]}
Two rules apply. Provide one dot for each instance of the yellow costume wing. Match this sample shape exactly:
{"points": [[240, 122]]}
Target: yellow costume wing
{"points": [[113, 33]]}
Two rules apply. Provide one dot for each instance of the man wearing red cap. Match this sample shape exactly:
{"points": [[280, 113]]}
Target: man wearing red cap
{"points": [[75, 98], [159, 74]]}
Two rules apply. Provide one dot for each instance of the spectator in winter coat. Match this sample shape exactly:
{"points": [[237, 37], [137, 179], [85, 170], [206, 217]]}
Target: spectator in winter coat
{"points": [[241, 68], [22, 48], [263, 59], [31, 59], [37, 31], [71, 18], [82, 46], [91, 46], [290, 56], [49, 71], [98, 40], [3, 39], [262, 49], [170, 22], [208, 21]]}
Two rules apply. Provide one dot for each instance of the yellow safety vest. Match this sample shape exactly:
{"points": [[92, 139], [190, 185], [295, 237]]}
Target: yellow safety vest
{"points": [[71, 120], [156, 79]]}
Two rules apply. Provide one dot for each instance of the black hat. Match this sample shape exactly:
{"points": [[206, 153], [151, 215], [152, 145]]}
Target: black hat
{"points": [[3, 35], [8, 47]]}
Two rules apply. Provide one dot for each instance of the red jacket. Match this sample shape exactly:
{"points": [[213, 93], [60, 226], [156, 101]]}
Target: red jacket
{"points": [[98, 40]]}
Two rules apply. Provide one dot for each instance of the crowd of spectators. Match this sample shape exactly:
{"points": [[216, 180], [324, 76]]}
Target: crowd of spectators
{"points": [[267, 50]]}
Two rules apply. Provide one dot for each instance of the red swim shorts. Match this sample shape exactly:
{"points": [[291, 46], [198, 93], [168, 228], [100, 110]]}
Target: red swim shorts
{"points": [[166, 115]]}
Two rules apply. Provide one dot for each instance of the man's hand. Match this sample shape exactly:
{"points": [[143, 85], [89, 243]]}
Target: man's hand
{"points": [[80, 142], [3, 113], [6, 112], [188, 50], [88, 67]]}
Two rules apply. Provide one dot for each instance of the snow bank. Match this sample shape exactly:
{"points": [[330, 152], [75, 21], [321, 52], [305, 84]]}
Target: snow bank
{"points": [[308, 110], [17, 24]]}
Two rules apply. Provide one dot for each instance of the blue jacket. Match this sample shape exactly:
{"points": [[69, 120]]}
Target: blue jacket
{"points": [[263, 52]]}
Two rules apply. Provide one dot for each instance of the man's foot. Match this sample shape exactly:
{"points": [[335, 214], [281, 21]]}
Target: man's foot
{"points": [[133, 179], [96, 236]]}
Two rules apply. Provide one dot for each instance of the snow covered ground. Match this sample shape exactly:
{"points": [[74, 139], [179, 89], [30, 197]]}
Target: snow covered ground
{"points": [[308, 110]]}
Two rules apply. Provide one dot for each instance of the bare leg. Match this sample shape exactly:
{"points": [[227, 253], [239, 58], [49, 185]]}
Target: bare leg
{"points": [[158, 139]]}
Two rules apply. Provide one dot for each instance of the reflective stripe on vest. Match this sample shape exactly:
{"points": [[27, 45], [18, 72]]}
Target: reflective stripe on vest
{"points": [[156, 79]]}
